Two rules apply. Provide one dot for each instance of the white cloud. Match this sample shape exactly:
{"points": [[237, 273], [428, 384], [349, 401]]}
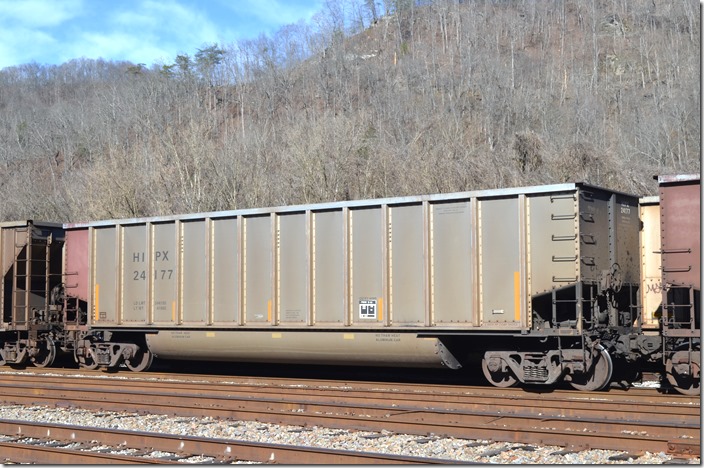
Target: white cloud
{"points": [[116, 46], [140, 31], [274, 12], [38, 13], [26, 28], [161, 30], [16, 43]]}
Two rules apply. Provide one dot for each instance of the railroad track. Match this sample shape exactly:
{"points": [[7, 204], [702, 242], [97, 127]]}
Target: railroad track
{"points": [[57, 443], [633, 420]]}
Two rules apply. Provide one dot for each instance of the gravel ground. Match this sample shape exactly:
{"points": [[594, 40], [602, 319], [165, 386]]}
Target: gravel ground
{"points": [[433, 447]]}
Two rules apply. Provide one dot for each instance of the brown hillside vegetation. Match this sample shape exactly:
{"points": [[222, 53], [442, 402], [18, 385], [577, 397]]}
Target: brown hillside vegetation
{"points": [[424, 97]]}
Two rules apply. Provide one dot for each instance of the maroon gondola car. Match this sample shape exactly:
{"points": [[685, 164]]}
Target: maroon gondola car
{"points": [[680, 235]]}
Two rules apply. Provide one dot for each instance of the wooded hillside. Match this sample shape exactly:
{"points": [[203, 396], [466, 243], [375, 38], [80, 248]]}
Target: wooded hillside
{"points": [[366, 101]]}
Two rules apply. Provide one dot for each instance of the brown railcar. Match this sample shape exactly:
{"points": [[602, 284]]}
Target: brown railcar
{"points": [[680, 219], [31, 327]]}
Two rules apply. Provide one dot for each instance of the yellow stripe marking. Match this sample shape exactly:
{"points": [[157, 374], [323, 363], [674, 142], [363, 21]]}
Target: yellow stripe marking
{"points": [[173, 311], [268, 305], [516, 296], [348, 336], [381, 309], [276, 335], [210, 334], [97, 301]]}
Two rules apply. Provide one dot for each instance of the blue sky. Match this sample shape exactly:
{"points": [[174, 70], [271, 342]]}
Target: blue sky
{"points": [[51, 32]]}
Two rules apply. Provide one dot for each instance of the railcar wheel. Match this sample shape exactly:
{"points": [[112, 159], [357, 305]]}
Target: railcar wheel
{"points": [[498, 378], [21, 362], [598, 376], [85, 362], [46, 353], [141, 362], [625, 373], [686, 384], [89, 365]]}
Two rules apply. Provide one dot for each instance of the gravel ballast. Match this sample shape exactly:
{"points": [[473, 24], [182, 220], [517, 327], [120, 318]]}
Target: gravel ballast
{"points": [[477, 451]]}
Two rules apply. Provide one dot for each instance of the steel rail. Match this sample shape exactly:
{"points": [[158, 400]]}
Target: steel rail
{"points": [[222, 450], [544, 405], [637, 418], [398, 388], [552, 431], [32, 453]]}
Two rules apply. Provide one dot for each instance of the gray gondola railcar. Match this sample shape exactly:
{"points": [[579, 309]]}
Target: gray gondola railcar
{"points": [[543, 282]]}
